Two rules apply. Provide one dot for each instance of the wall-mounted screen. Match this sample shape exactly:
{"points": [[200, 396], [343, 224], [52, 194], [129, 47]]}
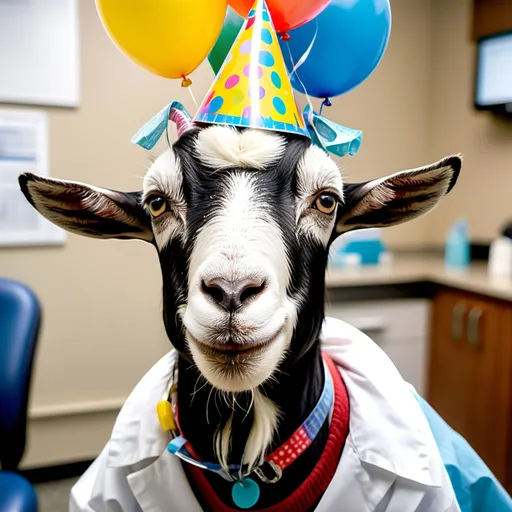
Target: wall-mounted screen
{"points": [[493, 89]]}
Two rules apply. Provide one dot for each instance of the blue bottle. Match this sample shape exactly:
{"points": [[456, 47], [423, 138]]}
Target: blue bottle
{"points": [[457, 247]]}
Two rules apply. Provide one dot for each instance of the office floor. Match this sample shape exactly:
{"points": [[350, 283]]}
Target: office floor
{"points": [[54, 496]]}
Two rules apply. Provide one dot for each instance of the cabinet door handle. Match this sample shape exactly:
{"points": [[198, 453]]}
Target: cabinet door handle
{"points": [[474, 317], [457, 321]]}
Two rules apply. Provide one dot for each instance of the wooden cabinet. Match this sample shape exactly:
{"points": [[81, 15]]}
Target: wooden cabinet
{"points": [[470, 373], [491, 17]]}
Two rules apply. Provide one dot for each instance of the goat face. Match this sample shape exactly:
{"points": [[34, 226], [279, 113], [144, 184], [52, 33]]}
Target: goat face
{"points": [[256, 215], [242, 221]]}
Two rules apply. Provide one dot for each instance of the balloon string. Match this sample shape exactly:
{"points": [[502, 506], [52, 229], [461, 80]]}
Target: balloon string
{"points": [[294, 71], [192, 96], [304, 56], [325, 103], [186, 82]]}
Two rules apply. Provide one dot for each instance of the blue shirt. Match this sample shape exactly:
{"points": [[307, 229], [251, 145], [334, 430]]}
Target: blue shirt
{"points": [[476, 488]]}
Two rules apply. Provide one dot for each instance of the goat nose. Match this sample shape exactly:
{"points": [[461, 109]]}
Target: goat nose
{"points": [[231, 295]]}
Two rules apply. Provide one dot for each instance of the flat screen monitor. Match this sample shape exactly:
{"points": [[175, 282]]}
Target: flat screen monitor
{"points": [[493, 89]]}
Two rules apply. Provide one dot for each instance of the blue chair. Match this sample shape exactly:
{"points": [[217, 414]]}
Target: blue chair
{"points": [[16, 493], [20, 316]]}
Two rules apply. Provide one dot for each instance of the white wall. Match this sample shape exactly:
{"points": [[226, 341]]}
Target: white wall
{"points": [[483, 191]]}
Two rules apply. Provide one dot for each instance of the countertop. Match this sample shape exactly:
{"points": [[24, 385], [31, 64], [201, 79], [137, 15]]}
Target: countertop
{"points": [[410, 269]]}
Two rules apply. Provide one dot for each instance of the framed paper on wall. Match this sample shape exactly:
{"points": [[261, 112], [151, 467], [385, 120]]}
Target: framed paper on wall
{"points": [[39, 52], [23, 148]]}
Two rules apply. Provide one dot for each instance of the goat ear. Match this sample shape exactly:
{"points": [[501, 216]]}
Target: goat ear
{"points": [[87, 210], [397, 198]]}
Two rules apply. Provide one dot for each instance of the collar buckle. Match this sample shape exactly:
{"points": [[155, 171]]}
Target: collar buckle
{"points": [[271, 474]]}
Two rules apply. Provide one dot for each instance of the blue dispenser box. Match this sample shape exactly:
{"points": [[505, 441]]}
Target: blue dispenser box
{"points": [[364, 246]]}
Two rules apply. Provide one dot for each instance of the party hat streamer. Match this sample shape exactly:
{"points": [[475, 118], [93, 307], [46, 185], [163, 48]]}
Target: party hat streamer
{"points": [[252, 88], [332, 137]]}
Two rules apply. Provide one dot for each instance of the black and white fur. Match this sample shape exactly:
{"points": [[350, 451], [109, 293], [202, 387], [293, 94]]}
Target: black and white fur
{"points": [[241, 213]]}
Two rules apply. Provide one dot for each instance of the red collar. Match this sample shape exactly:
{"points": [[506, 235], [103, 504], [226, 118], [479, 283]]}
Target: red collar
{"points": [[312, 489]]}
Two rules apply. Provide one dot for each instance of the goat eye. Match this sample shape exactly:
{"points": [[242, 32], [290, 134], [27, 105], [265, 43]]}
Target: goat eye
{"points": [[326, 203], [157, 205]]}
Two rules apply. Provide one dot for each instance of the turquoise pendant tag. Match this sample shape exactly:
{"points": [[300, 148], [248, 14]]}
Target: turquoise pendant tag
{"points": [[245, 493]]}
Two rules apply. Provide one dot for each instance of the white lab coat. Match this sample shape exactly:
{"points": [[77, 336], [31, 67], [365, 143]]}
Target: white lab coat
{"points": [[390, 461]]}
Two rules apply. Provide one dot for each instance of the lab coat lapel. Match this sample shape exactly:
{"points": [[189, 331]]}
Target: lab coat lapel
{"points": [[137, 434], [390, 442], [163, 485], [387, 427], [407, 492], [355, 486], [362, 486]]}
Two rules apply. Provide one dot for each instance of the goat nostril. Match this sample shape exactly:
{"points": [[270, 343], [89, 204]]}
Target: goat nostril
{"points": [[214, 290], [251, 290], [231, 295]]}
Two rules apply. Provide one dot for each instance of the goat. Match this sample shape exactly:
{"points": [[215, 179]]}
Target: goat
{"points": [[242, 220]]}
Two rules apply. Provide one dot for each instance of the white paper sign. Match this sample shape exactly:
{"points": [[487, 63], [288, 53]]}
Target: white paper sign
{"points": [[39, 52], [23, 148]]}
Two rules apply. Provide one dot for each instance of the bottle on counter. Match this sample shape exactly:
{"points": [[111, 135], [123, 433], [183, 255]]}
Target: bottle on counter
{"points": [[500, 254], [457, 247]]}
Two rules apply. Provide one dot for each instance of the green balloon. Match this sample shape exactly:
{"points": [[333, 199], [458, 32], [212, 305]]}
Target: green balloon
{"points": [[232, 25]]}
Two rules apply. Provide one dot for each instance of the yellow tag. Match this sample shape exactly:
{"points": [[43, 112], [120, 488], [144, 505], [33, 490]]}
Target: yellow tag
{"points": [[164, 411]]}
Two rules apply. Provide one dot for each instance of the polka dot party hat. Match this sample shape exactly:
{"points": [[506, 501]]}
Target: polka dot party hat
{"points": [[252, 88]]}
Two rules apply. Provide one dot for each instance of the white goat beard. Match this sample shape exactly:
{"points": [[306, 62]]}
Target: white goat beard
{"points": [[266, 417]]}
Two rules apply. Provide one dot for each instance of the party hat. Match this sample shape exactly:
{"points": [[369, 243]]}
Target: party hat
{"points": [[252, 87]]}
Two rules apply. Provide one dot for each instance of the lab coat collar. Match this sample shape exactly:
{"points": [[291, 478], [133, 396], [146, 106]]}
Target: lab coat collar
{"points": [[389, 435], [387, 427], [137, 434]]}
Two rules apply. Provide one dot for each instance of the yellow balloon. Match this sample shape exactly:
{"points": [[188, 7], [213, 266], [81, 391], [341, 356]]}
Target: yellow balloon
{"points": [[167, 37]]}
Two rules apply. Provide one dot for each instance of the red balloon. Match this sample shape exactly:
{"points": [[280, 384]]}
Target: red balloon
{"points": [[286, 14]]}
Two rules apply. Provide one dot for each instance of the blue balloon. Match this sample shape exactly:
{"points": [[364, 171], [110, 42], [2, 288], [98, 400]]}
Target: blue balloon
{"points": [[351, 37]]}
